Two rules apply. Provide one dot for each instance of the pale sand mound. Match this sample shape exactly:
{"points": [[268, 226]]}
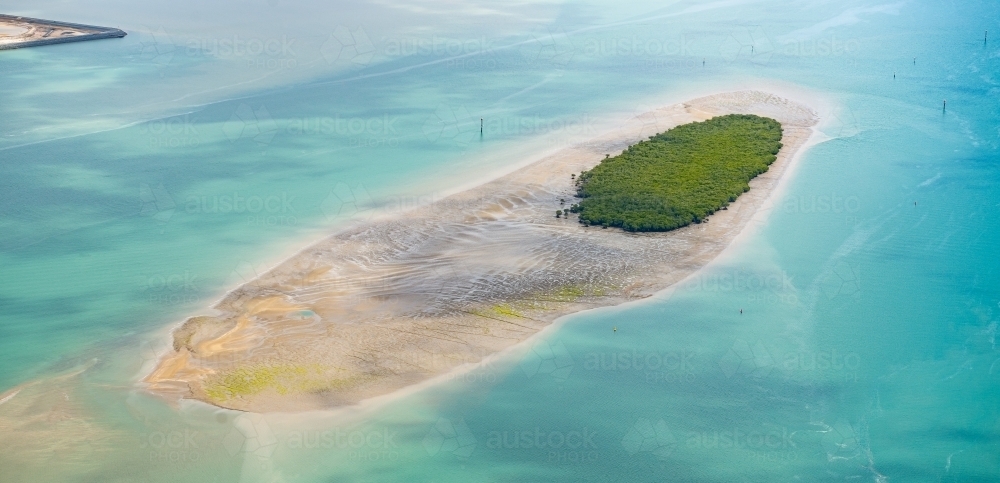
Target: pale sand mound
{"points": [[395, 302]]}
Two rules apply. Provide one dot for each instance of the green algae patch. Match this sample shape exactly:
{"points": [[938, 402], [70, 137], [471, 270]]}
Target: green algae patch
{"points": [[252, 380], [508, 310], [541, 300], [498, 310], [573, 292], [680, 176]]}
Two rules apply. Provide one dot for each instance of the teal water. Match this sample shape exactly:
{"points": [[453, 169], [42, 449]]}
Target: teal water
{"points": [[141, 178]]}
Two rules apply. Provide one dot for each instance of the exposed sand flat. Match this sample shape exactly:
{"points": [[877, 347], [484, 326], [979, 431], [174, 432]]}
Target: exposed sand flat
{"points": [[17, 32], [395, 302]]}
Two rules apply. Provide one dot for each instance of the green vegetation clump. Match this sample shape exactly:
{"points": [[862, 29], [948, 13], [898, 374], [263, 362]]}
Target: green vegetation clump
{"points": [[680, 176]]}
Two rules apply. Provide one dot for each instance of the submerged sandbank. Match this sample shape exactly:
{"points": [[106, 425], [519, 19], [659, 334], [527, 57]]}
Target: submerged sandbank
{"points": [[398, 301]]}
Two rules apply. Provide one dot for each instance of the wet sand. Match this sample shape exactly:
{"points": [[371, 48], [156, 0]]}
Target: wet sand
{"points": [[396, 302]]}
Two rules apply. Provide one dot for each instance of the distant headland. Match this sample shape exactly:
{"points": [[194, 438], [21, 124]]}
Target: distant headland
{"points": [[17, 32]]}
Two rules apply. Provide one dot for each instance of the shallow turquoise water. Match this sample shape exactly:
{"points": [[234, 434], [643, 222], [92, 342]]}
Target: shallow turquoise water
{"points": [[139, 179]]}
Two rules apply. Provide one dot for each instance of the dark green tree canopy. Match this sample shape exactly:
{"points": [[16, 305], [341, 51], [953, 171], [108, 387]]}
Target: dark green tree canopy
{"points": [[680, 176]]}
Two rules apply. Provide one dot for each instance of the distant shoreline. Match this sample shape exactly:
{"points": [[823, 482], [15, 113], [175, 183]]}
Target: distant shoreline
{"points": [[397, 303], [40, 32]]}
